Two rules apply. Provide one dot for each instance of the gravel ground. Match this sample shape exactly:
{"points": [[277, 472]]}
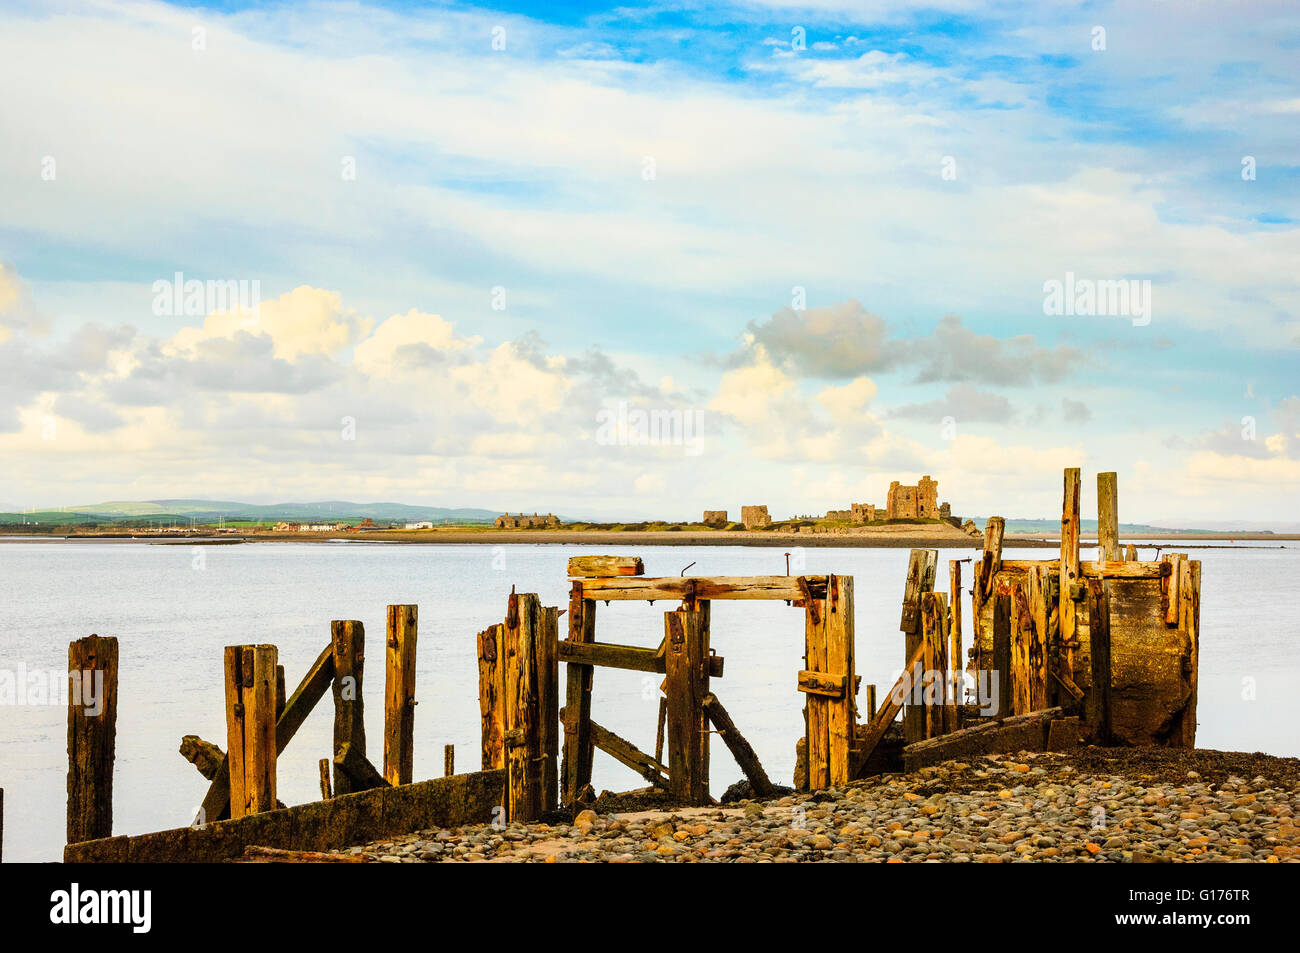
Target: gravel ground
{"points": [[1093, 805]]}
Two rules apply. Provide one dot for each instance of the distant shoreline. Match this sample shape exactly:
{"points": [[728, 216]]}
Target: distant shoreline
{"points": [[909, 537]]}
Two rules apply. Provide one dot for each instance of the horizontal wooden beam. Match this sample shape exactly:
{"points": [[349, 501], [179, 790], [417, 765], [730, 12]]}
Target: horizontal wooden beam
{"points": [[651, 588], [819, 683], [1095, 570], [629, 657], [604, 566], [628, 754]]}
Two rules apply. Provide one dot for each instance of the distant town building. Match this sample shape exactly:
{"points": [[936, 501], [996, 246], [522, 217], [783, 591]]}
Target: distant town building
{"points": [[755, 517], [507, 521], [420, 524], [715, 516]]}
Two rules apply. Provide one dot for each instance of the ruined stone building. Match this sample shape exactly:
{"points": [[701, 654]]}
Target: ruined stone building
{"points": [[913, 502], [755, 517], [506, 521], [714, 516]]}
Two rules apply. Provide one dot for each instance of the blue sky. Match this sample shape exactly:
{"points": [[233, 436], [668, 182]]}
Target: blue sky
{"points": [[823, 228]]}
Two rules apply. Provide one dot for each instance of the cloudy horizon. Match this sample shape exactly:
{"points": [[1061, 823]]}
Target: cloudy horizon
{"points": [[822, 237]]}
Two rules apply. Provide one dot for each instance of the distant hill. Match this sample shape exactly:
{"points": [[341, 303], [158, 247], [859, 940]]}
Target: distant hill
{"points": [[205, 511], [1053, 527]]}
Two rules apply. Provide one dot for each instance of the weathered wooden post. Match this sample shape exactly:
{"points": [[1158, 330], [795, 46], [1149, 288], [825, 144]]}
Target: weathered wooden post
{"points": [[548, 703], [399, 694], [686, 662], [348, 639], [491, 696], [325, 792], [523, 710], [250, 728], [577, 703], [92, 737], [448, 760], [1069, 572], [955, 657], [1108, 516], [1097, 704], [1002, 653], [921, 569]]}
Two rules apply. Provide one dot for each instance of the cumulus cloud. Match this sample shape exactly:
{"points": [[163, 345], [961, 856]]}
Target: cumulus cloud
{"points": [[839, 341], [964, 403]]}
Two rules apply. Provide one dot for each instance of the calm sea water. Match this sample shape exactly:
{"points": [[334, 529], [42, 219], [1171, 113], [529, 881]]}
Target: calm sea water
{"points": [[173, 608]]}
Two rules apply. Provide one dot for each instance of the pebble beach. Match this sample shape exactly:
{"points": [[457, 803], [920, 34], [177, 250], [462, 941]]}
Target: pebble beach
{"points": [[1088, 806]]}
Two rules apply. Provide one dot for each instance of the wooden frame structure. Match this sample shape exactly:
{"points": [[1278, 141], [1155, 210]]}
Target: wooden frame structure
{"points": [[1118, 637]]}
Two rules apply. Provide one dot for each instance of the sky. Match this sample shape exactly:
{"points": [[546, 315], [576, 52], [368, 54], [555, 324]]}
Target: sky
{"points": [[638, 261]]}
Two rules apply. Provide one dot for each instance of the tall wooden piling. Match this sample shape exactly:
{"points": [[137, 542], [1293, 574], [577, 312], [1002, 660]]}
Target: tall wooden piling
{"points": [[250, 728], [1097, 702], [399, 694], [548, 703], [577, 703], [491, 696], [92, 737], [1108, 516], [921, 569], [523, 735], [1001, 673], [686, 662], [348, 640], [1069, 571]]}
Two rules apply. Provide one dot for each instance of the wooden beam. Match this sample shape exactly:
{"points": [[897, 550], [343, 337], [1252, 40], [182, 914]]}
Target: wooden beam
{"points": [[841, 712], [348, 639], [1108, 516], [250, 728], [676, 588], [491, 697], [991, 557], [399, 694], [629, 657], [577, 698], [955, 656], [922, 567], [356, 767], [604, 566], [204, 755], [1097, 706], [548, 703], [740, 748], [888, 711], [325, 792], [628, 754], [448, 760], [1002, 653], [688, 682], [819, 683], [1069, 571], [92, 737], [523, 715], [1190, 623], [1097, 570]]}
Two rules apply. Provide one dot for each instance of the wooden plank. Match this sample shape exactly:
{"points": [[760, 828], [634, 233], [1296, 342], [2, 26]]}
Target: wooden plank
{"points": [[819, 683], [816, 714], [740, 748], [1098, 570], [1176, 561], [279, 692], [1069, 571], [688, 683], [1108, 516], [312, 688], [1130, 553], [659, 730], [92, 736], [523, 735], [628, 657], [674, 588], [577, 699], [955, 656], [888, 711], [491, 697], [548, 703], [1097, 705], [1002, 653], [399, 694], [204, 755], [250, 728], [348, 638], [871, 702], [604, 566], [628, 754]]}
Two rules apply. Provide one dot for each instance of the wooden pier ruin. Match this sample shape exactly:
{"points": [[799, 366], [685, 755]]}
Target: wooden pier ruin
{"points": [[1064, 650]]}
